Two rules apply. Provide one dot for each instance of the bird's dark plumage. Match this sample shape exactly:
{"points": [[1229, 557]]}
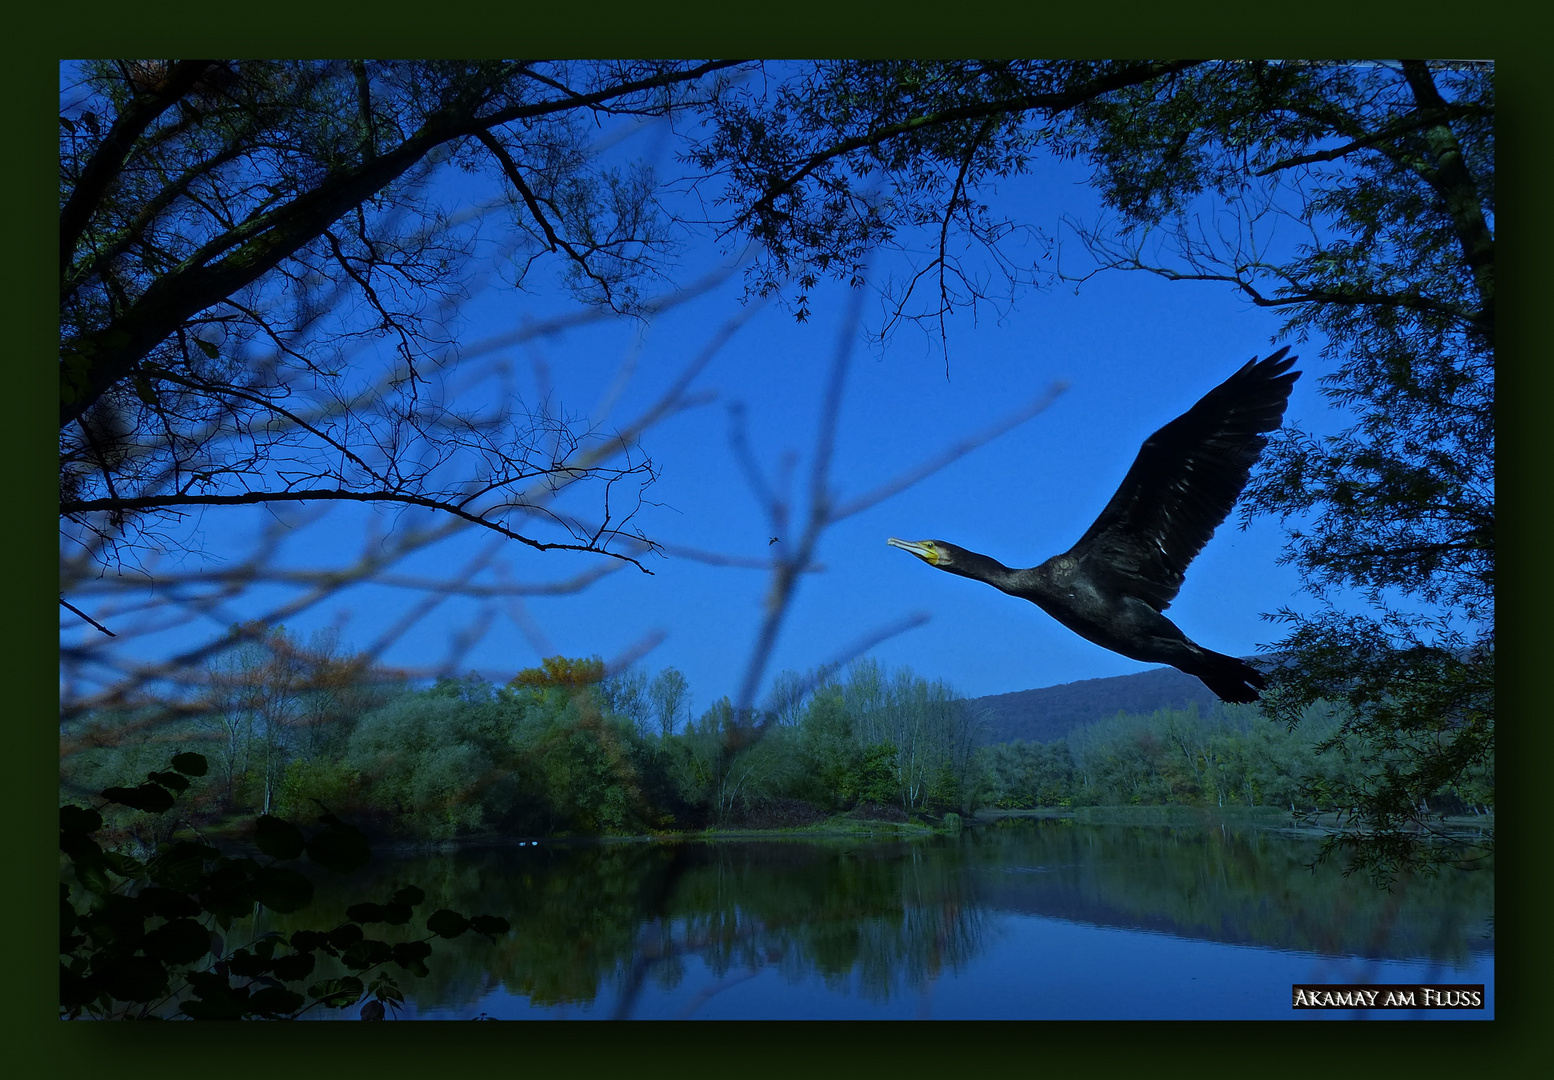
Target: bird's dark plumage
{"points": [[1112, 586]]}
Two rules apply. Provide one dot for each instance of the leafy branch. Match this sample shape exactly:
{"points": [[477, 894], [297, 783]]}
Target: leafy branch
{"points": [[143, 933]]}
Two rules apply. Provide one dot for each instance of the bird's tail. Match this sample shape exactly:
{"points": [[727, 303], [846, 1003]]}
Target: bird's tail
{"points": [[1231, 679]]}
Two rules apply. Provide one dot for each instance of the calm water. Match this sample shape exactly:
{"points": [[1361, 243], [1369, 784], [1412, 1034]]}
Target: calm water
{"points": [[1024, 920]]}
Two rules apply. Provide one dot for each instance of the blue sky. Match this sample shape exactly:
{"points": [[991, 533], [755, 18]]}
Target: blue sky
{"points": [[1134, 350]]}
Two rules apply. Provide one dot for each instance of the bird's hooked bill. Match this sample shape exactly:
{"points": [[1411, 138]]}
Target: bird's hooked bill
{"points": [[923, 549]]}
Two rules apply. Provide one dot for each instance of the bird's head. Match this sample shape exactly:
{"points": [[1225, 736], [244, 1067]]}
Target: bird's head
{"points": [[957, 560], [933, 552]]}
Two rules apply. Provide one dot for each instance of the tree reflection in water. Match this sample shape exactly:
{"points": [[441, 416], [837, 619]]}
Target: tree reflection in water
{"points": [[612, 925]]}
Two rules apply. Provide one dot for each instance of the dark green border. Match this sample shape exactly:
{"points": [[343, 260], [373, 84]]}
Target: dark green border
{"points": [[874, 28]]}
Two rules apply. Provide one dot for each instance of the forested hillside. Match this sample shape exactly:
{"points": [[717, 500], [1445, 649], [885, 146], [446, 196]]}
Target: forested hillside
{"points": [[1053, 712]]}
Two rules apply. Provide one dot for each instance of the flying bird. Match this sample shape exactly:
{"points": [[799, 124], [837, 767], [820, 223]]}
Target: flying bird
{"points": [[1112, 586]]}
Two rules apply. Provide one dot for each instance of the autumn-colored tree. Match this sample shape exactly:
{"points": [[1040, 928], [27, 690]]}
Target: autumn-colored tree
{"points": [[561, 671]]}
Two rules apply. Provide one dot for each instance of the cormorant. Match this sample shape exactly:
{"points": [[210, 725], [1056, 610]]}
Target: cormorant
{"points": [[1111, 587]]}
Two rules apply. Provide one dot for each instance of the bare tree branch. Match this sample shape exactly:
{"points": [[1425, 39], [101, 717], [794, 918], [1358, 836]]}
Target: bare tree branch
{"points": [[332, 495], [67, 604]]}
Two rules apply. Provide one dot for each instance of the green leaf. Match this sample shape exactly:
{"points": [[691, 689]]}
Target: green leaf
{"points": [[124, 865], [145, 390], [372, 1010], [446, 923], [182, 941], [209, 348], [384, 988], [191, 764], [278, 839], [282, 890], [181, 865], [366, 953], [76, 819], [339, 847], [337, 993], [93, 876]]}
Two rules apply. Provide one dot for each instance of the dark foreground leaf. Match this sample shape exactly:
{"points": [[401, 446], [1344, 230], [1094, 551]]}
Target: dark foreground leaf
{"points": [[172, 781], [490, 925], [182, 941], [339, 847], [76, 819], [446, 923], [275, 1001], [191, 764], [134, 978], [278, 839], [152, 798], [282, 890]]}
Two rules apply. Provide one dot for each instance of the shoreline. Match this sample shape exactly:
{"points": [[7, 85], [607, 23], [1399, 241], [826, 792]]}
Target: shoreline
{"points": [[1171, 816], [845, 828], [851, 829]]}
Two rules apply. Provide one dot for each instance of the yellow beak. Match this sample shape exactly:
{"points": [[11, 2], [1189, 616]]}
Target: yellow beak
{"points": [[923, 549]]}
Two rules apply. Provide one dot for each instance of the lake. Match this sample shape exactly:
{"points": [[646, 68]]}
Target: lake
{"points": [[1016, 920]]}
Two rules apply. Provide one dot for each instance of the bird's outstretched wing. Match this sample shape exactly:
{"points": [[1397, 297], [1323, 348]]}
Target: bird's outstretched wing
{"points": [[1184, 481]]}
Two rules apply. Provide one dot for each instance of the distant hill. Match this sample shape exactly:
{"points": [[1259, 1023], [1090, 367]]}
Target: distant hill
{"points": [[1052, 712]]}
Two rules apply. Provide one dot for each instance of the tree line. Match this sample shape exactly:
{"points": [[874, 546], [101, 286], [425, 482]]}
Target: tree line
{"points": [[1222, 756], [291, 728], [294, 728]]}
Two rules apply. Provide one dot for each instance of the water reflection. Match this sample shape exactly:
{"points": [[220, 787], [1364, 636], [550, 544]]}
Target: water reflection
{"points": [[862, 928]]}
